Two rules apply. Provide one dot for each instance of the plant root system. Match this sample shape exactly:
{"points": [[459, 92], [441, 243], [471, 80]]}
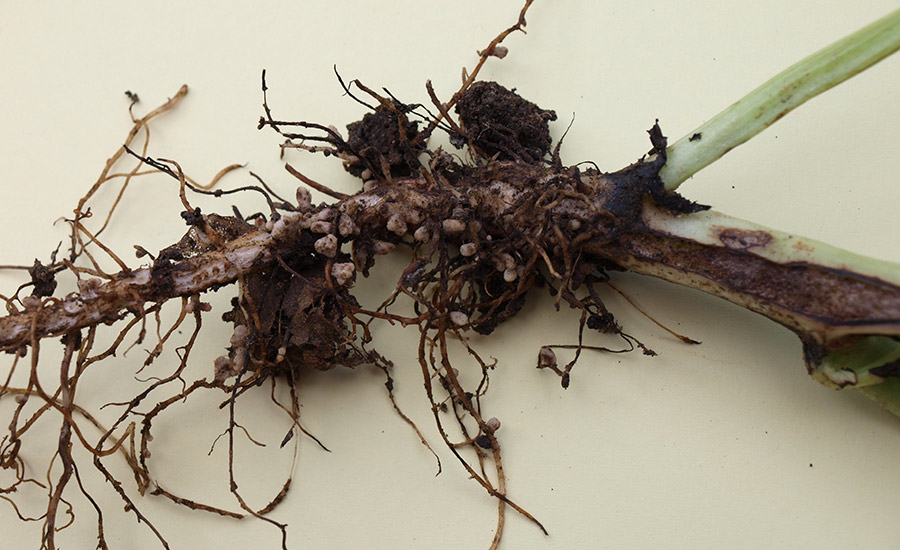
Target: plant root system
{"points": [[484, 226]]}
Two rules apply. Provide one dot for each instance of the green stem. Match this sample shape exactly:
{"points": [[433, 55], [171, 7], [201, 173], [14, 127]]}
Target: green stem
{"points": [[791, 88]]}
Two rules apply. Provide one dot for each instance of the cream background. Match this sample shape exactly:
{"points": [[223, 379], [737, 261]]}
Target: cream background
{"points": [[702, 447]]}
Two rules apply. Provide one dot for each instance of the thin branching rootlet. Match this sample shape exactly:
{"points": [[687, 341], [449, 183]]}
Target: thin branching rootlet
{"points": [[482, 223]]}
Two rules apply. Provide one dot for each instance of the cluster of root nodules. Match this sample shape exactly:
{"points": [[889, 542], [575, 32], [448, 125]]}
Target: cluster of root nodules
{"points": [[484, 224]]}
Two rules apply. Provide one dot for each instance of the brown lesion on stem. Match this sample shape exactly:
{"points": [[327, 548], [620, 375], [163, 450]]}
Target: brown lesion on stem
{"points": [[829, 304]]}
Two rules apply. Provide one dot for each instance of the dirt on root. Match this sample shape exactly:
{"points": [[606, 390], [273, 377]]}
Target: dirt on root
{"points": [[384, 141], [502, 124]]}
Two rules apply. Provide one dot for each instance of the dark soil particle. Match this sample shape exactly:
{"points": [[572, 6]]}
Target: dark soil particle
{"points": [[634, 182], [301, 315], [385, 137], [193, 217], [43, 279], [499, 122]]}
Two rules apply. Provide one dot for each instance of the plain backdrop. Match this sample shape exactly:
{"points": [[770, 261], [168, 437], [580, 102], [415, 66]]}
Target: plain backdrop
{"points": [[724, 445]]}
